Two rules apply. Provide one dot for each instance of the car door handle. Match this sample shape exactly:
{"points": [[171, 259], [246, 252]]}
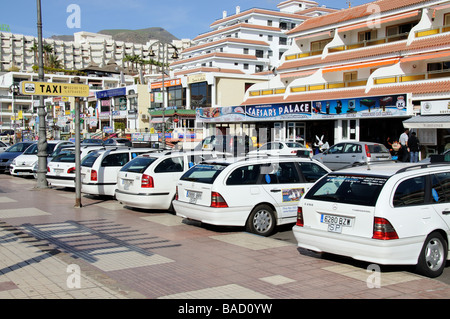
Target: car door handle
{"points": [[446, 212], [275, 190]]}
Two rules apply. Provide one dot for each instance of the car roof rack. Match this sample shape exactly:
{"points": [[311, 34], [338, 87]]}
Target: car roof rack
{"points": [[423, 165]]}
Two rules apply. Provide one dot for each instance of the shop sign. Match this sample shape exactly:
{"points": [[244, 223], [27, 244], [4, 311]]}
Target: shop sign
{"points": [[274, 112], [111, 93], [378, 106], [196, 78], [435, 107], [168, 83], [54, 89]]}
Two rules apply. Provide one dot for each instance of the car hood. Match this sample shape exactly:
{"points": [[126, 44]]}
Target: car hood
{"points": [[26, 159], [9, 155]]}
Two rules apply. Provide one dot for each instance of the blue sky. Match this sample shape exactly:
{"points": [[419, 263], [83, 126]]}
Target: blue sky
{"points": [[182, 18]]}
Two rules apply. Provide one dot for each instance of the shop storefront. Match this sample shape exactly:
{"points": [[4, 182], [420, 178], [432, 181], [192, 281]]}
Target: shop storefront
{"points": [[432, 126], [309, 122]]}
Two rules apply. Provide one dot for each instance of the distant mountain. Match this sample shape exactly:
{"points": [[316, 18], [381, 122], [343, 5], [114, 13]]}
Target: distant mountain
{"points": [[134, 36]]}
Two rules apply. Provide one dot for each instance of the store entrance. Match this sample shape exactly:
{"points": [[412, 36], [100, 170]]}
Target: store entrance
{"points": [[378, 130]]}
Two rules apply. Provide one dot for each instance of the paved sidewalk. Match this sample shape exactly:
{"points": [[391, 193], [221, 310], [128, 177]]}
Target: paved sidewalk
{"points": [[49, 249]]}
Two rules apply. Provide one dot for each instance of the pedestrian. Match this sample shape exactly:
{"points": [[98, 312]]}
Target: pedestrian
{"points": [[413, 144], [404, 143]]}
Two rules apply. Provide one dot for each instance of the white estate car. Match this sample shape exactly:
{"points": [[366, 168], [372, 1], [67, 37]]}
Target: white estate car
{"points": [[259, 193], [23, 164], [149, 181], [387, 214], [99, 169], [282, 148]]}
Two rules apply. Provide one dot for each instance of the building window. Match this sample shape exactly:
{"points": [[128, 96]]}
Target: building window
{"points": [[176, 96], [269, 23], [245, 66], [259, 53], [245, 50], [438, 66], [270, 38], [283, 41], [350, 76], [319, 45], [367, 35], [200, 95], [401, 29]]}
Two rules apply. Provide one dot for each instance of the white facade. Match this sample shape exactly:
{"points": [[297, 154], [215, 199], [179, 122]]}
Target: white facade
{"points": [[16, 50], [251, 41]]}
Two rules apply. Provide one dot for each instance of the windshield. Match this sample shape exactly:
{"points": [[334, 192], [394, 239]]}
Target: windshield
{"points": [[33, 149], [348, 189], [138, 165], [19, 147], [203, 173]]}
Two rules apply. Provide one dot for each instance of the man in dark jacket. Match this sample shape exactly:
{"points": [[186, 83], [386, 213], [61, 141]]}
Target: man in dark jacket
{"points": [[413, 144]]}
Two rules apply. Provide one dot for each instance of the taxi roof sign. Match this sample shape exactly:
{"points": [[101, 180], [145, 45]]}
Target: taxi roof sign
{"points": [[54, 89]]}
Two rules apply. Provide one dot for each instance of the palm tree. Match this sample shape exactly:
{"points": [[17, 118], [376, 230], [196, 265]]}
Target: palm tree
{"points": [[35, 49], [53, 62], [48, 49]]}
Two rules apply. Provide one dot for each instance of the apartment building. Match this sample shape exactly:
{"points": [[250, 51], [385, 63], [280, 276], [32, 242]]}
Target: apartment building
{"points": [[362, 73], [240, 50], [19, 51]]}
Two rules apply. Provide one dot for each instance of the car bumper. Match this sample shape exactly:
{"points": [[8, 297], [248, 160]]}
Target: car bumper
{"points": [[210, 215], [21, 171], [383, 252], [145, 201], [98, 189], [61, 181]]}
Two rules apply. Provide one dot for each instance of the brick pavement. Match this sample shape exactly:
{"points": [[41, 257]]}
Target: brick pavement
{"points": [[49, 249]]}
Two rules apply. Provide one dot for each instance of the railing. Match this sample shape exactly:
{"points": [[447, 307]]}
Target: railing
{"points": [[432, 31], [411, 77]]}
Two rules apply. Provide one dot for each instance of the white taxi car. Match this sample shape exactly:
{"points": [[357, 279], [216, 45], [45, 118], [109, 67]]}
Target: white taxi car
{"points": [[23, 165], [282, 148], [149, 181], [389, 214], [259, 193], [99, 169]]}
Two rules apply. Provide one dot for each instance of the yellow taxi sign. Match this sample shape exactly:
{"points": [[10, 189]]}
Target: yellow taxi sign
{"points": [[54, 89]]}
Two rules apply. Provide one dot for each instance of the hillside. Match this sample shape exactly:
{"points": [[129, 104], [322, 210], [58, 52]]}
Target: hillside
{"points": [[134, 36]]}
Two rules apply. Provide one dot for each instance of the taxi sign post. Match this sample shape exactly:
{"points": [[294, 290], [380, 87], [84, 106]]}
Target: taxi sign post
{"points": [[76, 90]]}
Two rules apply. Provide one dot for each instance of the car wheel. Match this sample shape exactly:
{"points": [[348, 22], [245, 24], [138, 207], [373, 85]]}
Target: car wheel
{"points": [[261, 220], [433, 256]]}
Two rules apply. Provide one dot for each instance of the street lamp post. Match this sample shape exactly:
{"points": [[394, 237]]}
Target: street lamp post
{"points": [[42, 144], [14, 89], [165, 50]]}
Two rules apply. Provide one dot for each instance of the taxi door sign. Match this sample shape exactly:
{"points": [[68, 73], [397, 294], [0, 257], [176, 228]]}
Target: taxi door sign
{"points": [[54, 89]]}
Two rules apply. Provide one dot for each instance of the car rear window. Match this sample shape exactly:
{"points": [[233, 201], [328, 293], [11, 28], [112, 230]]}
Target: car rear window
{"points": [[90, 159], [138, 165], [348, 189], [64, 158], [378, 148], [203, 173]]}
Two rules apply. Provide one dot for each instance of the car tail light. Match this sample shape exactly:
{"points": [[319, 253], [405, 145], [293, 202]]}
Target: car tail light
{"points": [[93, 175], [217, 200], [383, 230], [176, 193], [147, 181], [48, 169], [71, 170], [367, 151], [300, 221]]}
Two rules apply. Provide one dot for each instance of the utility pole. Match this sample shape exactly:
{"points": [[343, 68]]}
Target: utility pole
{"points": [[77, 151], [42, 144]]}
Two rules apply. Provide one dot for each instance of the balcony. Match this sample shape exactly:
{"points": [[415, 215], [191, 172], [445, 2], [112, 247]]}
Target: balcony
{"points": [[412, 77], [432, 31]]}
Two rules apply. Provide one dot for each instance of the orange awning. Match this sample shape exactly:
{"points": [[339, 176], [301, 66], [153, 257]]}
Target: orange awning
{"points": [[360, 65], [426, 56]]}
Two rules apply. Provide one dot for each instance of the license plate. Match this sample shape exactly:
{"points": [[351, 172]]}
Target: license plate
{"points": [[126, 183], [336, 223], [193, 196], [58, 171]]}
